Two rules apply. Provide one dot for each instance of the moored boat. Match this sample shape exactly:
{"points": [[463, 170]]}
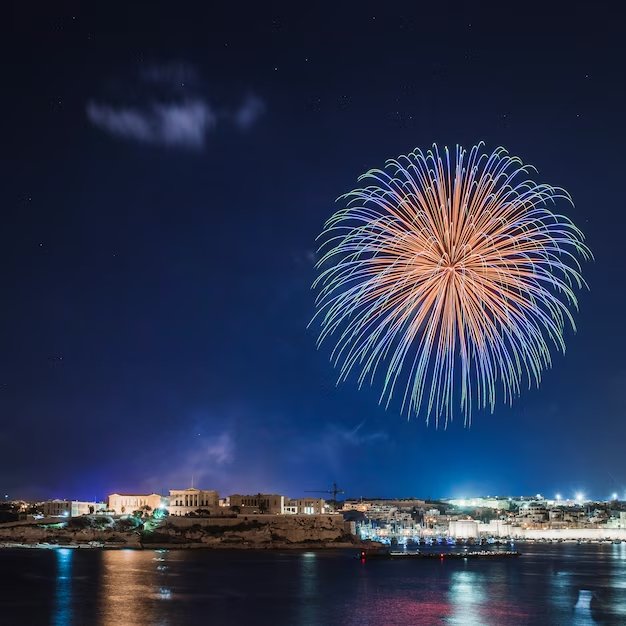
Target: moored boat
{"points": [[366, 555]]}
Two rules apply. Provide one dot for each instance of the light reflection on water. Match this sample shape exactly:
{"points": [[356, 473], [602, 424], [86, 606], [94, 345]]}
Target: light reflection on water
{"points": [[127, 585], [309, 589], [466, 597], [566, 585], [63, 605]]}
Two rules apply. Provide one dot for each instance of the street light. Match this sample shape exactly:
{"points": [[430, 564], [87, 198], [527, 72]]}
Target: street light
{"points": [[579, 497], [614, 496], [558, 496]]}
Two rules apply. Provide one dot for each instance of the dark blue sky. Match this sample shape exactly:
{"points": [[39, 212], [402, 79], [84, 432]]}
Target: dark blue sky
{"points": [[165, 171]]}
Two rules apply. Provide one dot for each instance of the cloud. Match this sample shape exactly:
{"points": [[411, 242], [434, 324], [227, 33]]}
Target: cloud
{"points": [[328, 450], [207, 460], [172, 111], [183, 124], [356, 437], [249, 112], [219, 450]]}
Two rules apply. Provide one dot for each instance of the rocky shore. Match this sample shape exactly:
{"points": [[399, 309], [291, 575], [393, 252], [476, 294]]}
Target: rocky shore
{"points": [[279, 532]]}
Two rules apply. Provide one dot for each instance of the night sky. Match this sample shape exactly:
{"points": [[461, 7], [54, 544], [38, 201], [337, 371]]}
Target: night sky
{"points": [[165, 172]]}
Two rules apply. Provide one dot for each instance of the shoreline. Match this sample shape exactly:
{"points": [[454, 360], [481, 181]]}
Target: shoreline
{"points": [[156, 547], [273, 533]]}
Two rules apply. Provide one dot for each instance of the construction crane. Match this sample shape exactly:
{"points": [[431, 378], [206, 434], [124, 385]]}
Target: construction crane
{"points": [[335, 491]]}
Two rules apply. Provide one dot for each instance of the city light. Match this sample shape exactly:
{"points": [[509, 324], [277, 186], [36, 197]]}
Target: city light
{"points": [[558, 496], [614, 496], [579, 497]]}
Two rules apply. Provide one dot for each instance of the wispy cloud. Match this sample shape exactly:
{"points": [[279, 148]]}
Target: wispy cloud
{"points": [[174, 113], [183, 124], [219, 450], [357, 437], [335, 439], [207, 460], [249, 112]]}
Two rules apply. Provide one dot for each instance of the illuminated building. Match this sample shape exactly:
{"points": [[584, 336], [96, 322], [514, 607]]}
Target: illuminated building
{"points": [[70, 508], [481, 503], [269, 503], [290, 507], [533, 512], [353, 505], [185, 501], [127, 503], [463, 528], [311, 506]]}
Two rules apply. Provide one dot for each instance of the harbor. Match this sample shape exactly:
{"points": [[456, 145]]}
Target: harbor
{"points": [[387, 555]]}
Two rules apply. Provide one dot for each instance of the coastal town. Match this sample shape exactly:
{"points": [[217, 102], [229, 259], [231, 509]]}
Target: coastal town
{"points": [[273, 519]]}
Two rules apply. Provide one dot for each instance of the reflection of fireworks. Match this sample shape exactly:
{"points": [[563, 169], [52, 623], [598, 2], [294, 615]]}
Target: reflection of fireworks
{"points": [[454, 273]]}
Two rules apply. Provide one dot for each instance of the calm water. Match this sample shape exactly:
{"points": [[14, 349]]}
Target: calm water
{"points": [[549, 584]]}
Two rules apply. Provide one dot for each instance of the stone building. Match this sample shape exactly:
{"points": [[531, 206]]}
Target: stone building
{"points": [[185, 501], [311, 506], [290, 507], [534, 512], [122, 503], [464, 529], [273, 504], [70, 508], [269, 503]]}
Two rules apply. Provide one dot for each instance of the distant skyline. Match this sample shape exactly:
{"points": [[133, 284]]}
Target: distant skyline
{"points": [[165, 177]]}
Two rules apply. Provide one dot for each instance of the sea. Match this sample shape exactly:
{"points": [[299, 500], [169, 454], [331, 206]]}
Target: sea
{"points": [[549, 584]]}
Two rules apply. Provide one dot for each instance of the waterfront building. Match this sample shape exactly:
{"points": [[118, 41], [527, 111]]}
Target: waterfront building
{"points": [[617, 520], [269, 503], [274, 504], [311, 506], [185, 501], [463, 528], [121, 503], [532, 512], [290, 507], [70, 508]]}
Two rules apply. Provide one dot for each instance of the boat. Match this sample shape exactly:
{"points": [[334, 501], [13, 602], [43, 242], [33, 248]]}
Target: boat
{"points": [[366, 555]]}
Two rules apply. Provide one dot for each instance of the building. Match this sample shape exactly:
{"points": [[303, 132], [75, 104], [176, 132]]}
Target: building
{"points": [[290, 507], [186, 501], [617, 520], [71, 508], [464, 529], [534, 512], [356, 505], [269, 503], [502, 504], [405, 504], [121, 503], [311, 506]]}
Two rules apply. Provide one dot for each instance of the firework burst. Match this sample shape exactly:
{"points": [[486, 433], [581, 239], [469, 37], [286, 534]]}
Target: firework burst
{"points": [[452, 276]]}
